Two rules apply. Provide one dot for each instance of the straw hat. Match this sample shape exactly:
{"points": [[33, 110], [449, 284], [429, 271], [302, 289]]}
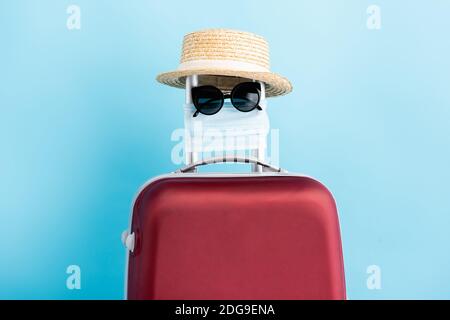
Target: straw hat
{"points": [[224, 57]]}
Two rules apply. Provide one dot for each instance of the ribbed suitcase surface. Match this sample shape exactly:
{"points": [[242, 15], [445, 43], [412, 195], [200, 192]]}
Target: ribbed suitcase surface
{"points": [[260, 236]]}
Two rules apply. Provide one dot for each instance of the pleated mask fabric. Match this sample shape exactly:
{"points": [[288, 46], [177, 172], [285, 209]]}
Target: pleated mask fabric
{"points": [[227, 130]]}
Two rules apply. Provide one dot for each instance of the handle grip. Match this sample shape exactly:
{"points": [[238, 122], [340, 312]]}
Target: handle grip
{"points": [[192, 167]]}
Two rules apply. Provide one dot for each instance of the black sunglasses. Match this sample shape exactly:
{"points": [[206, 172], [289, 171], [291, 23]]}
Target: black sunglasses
{"points": [[208, 100]]}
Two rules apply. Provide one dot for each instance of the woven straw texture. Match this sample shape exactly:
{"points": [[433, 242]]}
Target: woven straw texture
{"points": [[226, 45], [233, 46]]}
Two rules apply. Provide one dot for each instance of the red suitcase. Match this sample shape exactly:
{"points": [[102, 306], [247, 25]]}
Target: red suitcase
{"points": [[270, 235]]}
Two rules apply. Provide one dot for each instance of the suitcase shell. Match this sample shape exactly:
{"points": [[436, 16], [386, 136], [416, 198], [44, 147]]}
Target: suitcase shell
{"points": [[235, 236]]}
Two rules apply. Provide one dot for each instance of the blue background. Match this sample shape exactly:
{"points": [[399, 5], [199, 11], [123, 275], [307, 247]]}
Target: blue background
{"points": [[83, 124]]}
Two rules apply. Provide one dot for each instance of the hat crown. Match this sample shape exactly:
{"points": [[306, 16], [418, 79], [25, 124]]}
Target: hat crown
{"points": [[225, 45], [224, 57]]}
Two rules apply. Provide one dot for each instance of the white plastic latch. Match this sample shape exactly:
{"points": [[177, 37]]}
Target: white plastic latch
{"points": [[128, 240]]}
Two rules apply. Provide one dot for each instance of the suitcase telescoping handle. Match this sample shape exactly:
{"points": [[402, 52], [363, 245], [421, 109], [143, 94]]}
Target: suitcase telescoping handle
{"points": [[192, 167]]}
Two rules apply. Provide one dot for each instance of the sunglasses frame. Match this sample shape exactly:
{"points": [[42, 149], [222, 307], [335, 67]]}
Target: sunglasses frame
{"points": [[227, 96]]}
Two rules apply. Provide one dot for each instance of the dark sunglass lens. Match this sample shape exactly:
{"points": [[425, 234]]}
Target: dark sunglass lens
{"points": [[245, 96], [207, 99]]}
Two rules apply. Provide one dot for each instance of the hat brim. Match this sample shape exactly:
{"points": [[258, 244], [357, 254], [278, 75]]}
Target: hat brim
{"points": [[276, 85]]}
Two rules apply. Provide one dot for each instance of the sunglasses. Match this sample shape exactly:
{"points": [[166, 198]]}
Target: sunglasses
{"points": [[208, 100]]}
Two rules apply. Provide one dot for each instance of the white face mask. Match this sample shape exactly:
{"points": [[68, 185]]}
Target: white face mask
{"points": [[227, 130]]}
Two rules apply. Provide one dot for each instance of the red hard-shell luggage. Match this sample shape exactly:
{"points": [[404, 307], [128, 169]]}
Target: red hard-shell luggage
{"points": [[269, 235]]}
